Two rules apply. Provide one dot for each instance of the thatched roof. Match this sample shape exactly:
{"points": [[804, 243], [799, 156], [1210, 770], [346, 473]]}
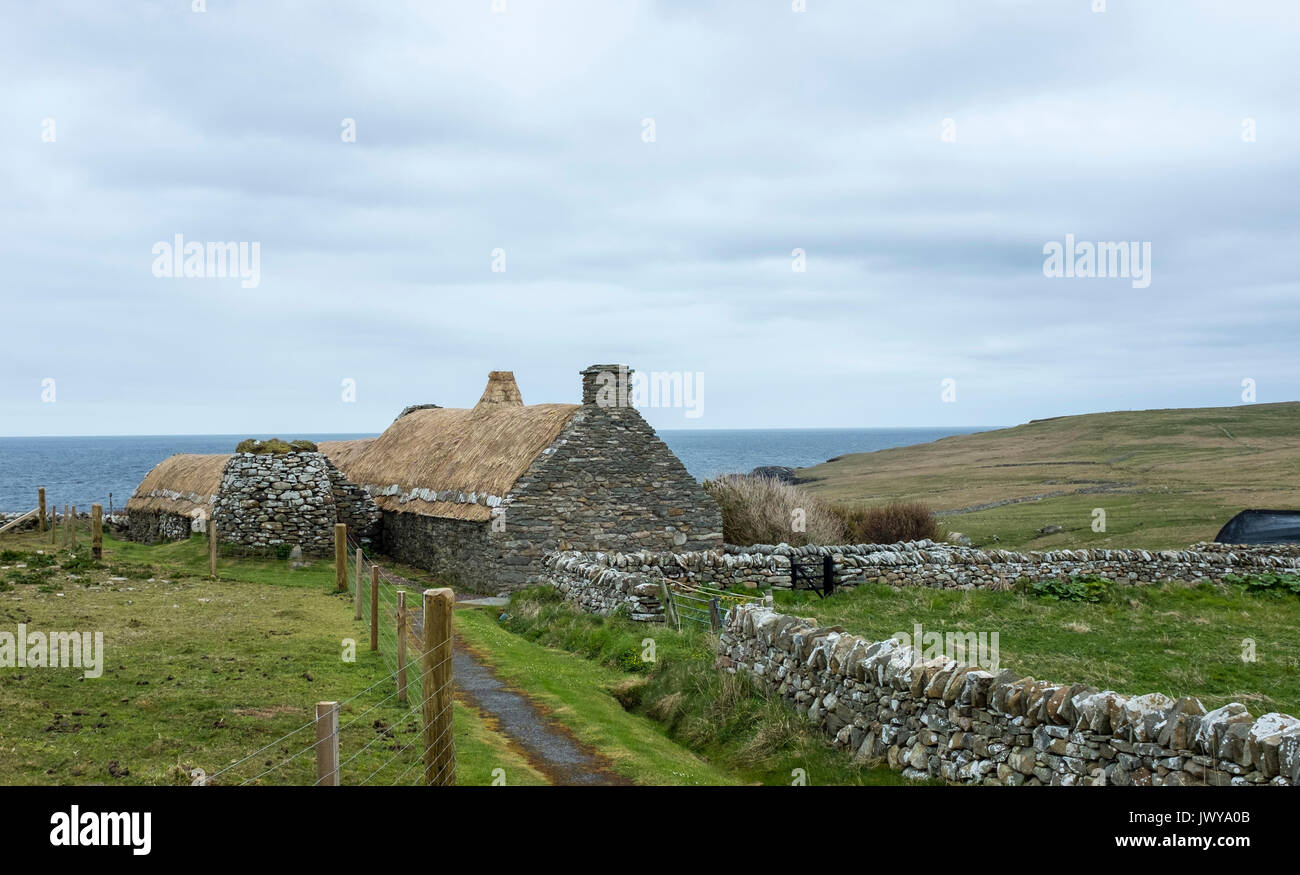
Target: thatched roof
{"points": [[449, 462], [180, 484]]}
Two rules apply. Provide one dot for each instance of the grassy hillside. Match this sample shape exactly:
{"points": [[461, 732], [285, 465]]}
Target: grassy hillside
{"points": [[1165, 478]]}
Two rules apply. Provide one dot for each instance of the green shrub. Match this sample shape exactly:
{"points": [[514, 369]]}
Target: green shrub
{"points": [[1268, 582], [11, 555], [30, 577], [80, 562], [888, 524], [40, 560], [1080, 588]]}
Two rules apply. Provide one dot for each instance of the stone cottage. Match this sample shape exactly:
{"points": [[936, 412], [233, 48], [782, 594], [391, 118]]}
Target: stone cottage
{"points": [[257, 499], [484, 494]]}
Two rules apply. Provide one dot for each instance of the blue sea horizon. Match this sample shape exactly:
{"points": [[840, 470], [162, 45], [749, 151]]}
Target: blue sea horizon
{"points": [[88, 469]]}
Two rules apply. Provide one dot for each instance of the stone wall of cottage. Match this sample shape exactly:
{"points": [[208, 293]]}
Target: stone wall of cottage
{"points": [[152, 526], [936, 718], [457, 549], [270, 499], [606, 483]]}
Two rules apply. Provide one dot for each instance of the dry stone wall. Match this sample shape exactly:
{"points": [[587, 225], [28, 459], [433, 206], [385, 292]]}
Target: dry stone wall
{"points": [[601, 589], [940, 719], [926, 563]]}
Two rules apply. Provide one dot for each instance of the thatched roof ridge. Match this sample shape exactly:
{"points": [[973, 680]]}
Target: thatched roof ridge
{"points": [[180, 484]]}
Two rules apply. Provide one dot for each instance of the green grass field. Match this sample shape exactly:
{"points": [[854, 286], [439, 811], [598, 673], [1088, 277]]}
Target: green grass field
{"points": [[1176, 639], [198, 674], [1165, 478]]}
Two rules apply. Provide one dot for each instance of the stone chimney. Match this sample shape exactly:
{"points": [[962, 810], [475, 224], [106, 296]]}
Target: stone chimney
{"points": [[607, 385], [501, 389]]}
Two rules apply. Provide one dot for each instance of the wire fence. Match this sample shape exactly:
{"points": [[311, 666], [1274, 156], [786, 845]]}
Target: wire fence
{"points": [[399, 730], [377, 597], [366, 739]]}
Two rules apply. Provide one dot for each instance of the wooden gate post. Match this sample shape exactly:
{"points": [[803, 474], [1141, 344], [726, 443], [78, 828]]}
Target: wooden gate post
{"points": [[212, 550], [401, 646], [715, 617], [436, 689], [670, 607], [327, 744], [828, 575], [97, 531], [40, 502], [374, 607], [341, 556]]}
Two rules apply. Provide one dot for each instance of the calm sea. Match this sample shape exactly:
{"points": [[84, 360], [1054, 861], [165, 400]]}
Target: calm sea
{"points": [[85, 470]]}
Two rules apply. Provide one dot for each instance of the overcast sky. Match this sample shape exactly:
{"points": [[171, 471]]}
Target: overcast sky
{"points": [[648, 170]]}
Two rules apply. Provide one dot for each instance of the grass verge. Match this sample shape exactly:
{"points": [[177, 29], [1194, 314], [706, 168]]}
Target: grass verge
{"points": [[725, 719]]}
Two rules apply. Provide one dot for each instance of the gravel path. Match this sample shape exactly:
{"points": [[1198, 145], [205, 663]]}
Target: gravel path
{"points": [[549, 746]]}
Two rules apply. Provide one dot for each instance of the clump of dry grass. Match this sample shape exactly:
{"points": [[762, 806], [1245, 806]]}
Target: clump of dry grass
{"points": [[888, 524], [763, 510]]}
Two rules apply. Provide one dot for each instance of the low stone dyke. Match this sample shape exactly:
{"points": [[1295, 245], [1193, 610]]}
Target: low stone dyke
{"points": [[939, 719], [599, 588], [927, 563]]}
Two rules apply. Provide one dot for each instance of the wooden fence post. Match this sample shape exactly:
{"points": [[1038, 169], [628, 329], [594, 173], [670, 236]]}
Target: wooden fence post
{"points": [[715, 616], [374, 607], [212, 550], [54, 526], [341, 556], [359, 593], [40, 499], [327, 744], [72, 529], [436, 689], [401, 646], [360, 560], [97, 531]]}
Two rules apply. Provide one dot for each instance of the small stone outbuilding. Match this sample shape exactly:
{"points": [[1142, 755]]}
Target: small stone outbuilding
{"points": [[258, 500]]}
